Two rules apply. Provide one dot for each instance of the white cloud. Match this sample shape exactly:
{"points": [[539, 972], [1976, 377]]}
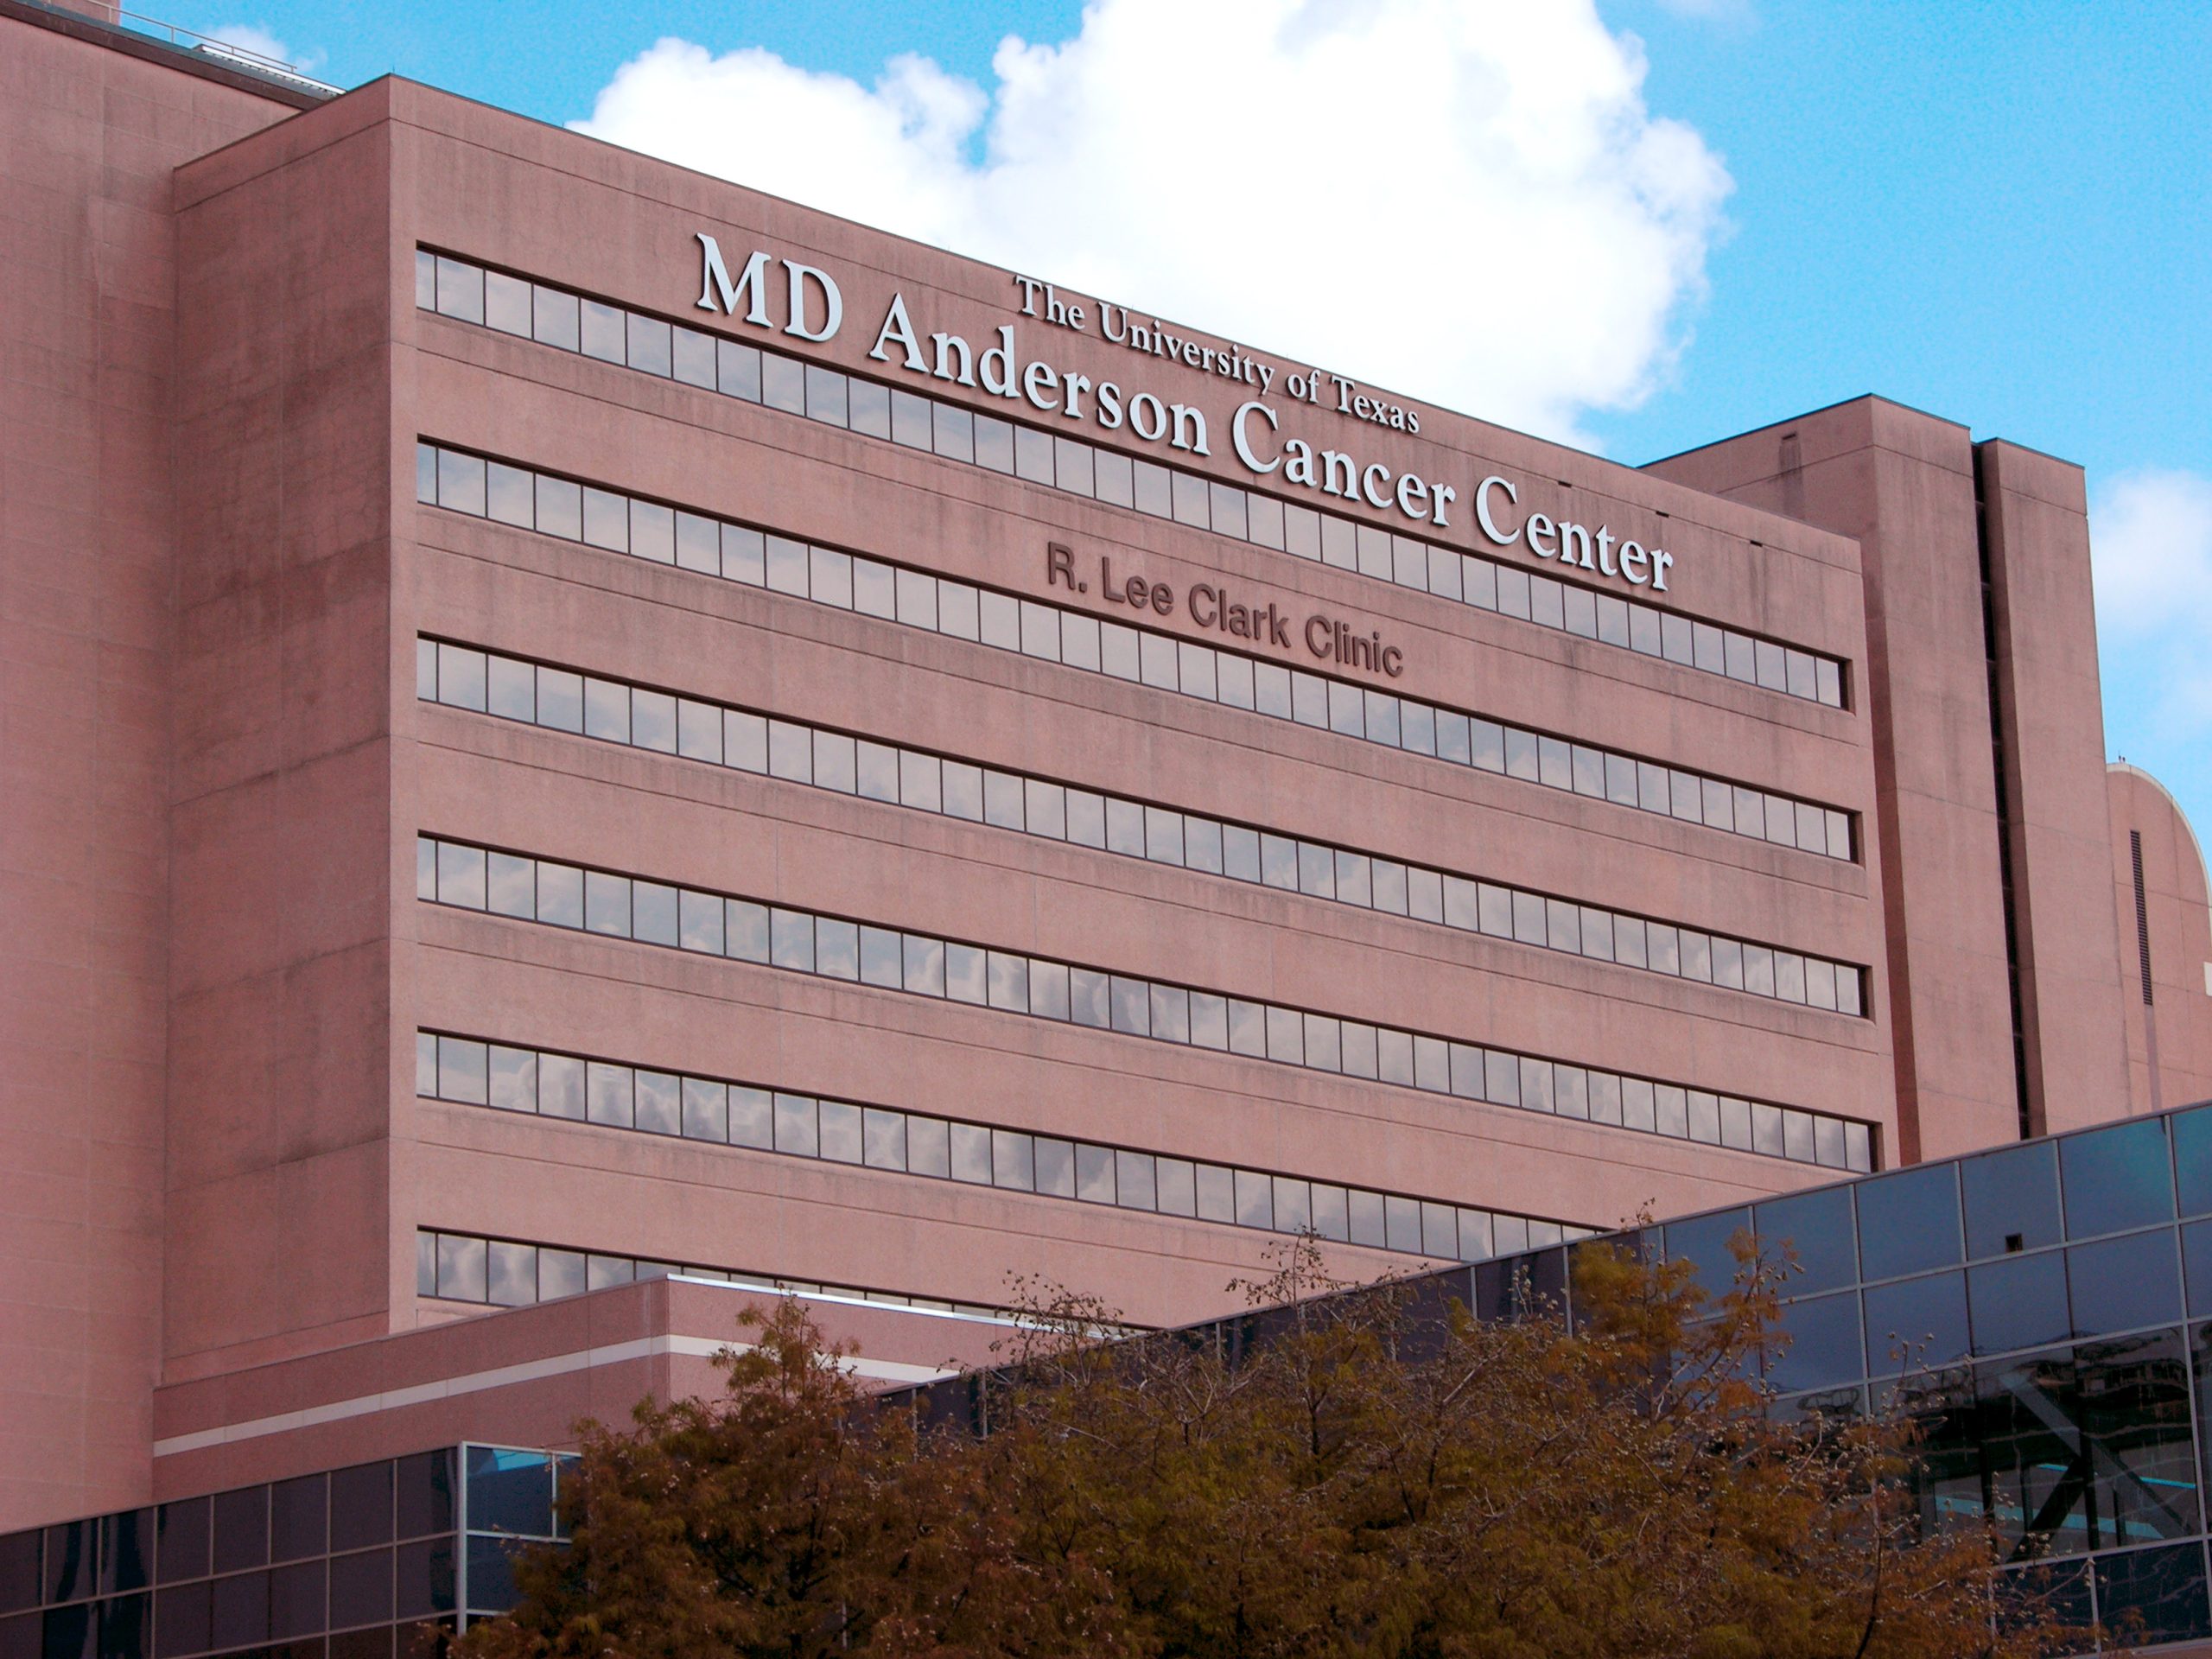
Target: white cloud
{"points": [[2151, 542], [1464, 201], [256, 38], [2150, 553]]}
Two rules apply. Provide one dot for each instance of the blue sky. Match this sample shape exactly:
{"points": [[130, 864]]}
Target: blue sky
{"points": [[2001, 213]]}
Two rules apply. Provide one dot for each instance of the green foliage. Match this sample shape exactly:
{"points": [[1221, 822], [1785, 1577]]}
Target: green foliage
{"points": [[1364, 1476]]}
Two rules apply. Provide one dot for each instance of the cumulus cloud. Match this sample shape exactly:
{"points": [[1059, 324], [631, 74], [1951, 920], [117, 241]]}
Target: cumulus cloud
{"points": [[2150, 551], [255, 39], [1464, 201], [2151, 537]]}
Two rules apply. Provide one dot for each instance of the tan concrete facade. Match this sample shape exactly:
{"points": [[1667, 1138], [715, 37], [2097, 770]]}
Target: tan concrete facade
{"points": [[242, 1046]]}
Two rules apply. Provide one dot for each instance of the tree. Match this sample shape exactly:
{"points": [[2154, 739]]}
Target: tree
{"points": [[1345, 1471]]}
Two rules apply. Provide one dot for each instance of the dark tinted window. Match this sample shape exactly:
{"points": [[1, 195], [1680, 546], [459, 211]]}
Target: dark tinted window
{"points": [[19, 1579], [296, 1597], [69, 1560], [360, 1506], [2012, 1200], [183, 1619], [510, 1492], [1816, 1225], [424, 1578], [2193, 1160], [2047, 1594], [69, 1632], [2019, 1303], [491, 1575], [241, 1528], [2117, 1178], [1908, 1222], [425, 1493], [1702, 1241], [1916, 1323], [184, 1530], [1545, 1272], [298, 1518], [361, 1588], [126, 1624], [1823, 1347], [241, 1611], [2154, 1595], [367, 1644], [2197, 1263], [126, 1551], [2123, 1284], [22, 1636]]}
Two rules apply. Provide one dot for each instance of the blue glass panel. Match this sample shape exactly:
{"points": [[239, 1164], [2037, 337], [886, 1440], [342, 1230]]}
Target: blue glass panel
{"points": [[2201, 1345], [510, 1492], [2030, 1444], [2124, 1284], [2019, 1302], [1908, 1222], [2193, 1160], [1824, 1345], [1916, 1323], [2012, 1200], [2196, 1262], [2154, 1595], [2117, 1178], [1702, 1241], [1817, 1228], [491, 1575], [2139, 1460]]}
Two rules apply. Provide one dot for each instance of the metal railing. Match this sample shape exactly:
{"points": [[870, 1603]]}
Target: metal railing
{"points": [[221, 51]]}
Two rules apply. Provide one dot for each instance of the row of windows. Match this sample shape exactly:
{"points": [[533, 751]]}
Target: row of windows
{"points": [[470, 1267], [555, 506], [617, 712], [566, 895], [229, 1532], [282, 1562], [709, 1108], [568, 322], [1996, 1205], [2116, 1285], [2016, 1248]]}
